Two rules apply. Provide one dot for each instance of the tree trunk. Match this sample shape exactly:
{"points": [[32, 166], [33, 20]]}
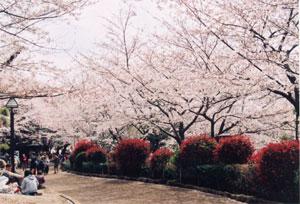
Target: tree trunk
{"points": [[212, 128], [297, 126], [296, 90], [178, 140], [181, 131]]}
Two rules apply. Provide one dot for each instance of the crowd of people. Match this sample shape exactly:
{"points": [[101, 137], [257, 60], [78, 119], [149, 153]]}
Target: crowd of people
{"points": [[39, 164], [34, 166]]}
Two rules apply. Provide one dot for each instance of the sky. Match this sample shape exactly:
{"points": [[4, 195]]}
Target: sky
{"points": [[72, 37]]}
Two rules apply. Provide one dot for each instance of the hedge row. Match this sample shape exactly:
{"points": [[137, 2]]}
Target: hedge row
{"points": [[230, 164]]}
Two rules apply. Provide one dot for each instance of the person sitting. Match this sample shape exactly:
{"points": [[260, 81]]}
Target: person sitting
{"points": [[5, 170], [7, 179], [13, 177], [29, 184]]}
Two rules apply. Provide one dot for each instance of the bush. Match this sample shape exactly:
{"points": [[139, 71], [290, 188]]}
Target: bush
{"points": [[246, 181], [221, 177], [175, 158], [96, 155], [130, 156], [196, 151], [91, 167], [111, 163], [4, 111], [66, 165], [4, 147], [277, 166], [234, 150], [158, 161], [79, 159], [81, 146]]}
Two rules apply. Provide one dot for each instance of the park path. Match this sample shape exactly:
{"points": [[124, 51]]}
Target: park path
{"points": [[94, 190]]}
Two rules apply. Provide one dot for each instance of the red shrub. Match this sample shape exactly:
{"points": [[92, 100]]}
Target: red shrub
{"points": [[277, 164], [96, 154], [197, 150], [234, 150], [81, 146], [130, 155], [159, 159]]}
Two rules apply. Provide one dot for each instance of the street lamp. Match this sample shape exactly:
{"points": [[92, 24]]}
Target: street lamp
{"points": [[11, 104]]}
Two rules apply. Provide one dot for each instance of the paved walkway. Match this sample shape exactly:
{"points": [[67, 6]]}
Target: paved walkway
{"points": [[93, 190]]}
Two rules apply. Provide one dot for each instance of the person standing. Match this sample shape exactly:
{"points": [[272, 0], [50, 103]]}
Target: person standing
{"points": [[46, 164], [24, 160], [40, 166], [55, 162], [33, 164]]}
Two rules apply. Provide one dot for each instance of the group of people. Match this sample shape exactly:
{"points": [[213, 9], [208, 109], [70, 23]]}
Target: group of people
{"points": [[15, 183], [39, 163], [35, 166]]}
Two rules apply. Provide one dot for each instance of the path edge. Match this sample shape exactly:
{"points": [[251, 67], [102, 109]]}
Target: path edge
{"points": [[70, 199]]}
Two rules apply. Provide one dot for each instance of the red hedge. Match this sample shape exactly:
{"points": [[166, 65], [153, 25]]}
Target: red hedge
{"points": [[96, 154], [197, 150], [277, 164], [81, 146], [130, 155], [159, 159], [234, 150]]}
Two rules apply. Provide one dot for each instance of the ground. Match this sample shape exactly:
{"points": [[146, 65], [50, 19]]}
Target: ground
{"points": [[93, 190], [48, 197]]}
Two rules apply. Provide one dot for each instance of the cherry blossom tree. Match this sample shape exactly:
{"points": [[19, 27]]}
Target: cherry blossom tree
{"points": [[23, 35], [262, 34], [214, 67]]}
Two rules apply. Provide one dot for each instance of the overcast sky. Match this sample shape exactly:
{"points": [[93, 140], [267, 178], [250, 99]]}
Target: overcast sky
{"points": [[77, 36]]}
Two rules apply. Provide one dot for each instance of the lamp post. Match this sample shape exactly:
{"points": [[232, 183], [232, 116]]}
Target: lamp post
{"points": [[11, 104]]}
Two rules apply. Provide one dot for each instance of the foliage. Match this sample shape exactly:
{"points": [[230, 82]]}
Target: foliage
{"points": [[4, 117], [285, 137], [91, 167], [156, 140], [170, 172], [196, 151], [277, 165], [66, 165], [217, 176], [79, 159], [234, 150], [175, 159], [158, 161], [4, 147], [4, 111], [130, 156], [111, 163], [81, 146], [96, 154]]}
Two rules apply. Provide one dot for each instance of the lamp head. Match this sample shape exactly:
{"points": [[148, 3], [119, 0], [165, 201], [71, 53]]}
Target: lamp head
{"points": [[12, 103]]}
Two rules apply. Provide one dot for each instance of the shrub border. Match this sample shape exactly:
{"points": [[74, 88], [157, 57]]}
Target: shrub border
{"points": [[238, 197]]}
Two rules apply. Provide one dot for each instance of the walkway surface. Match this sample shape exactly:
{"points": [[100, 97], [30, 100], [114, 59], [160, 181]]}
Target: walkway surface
{"points": [[93, 190]]}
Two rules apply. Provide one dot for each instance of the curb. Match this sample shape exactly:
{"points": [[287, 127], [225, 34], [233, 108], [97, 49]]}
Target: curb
{"points": [[68, 198], [238, 197]]}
